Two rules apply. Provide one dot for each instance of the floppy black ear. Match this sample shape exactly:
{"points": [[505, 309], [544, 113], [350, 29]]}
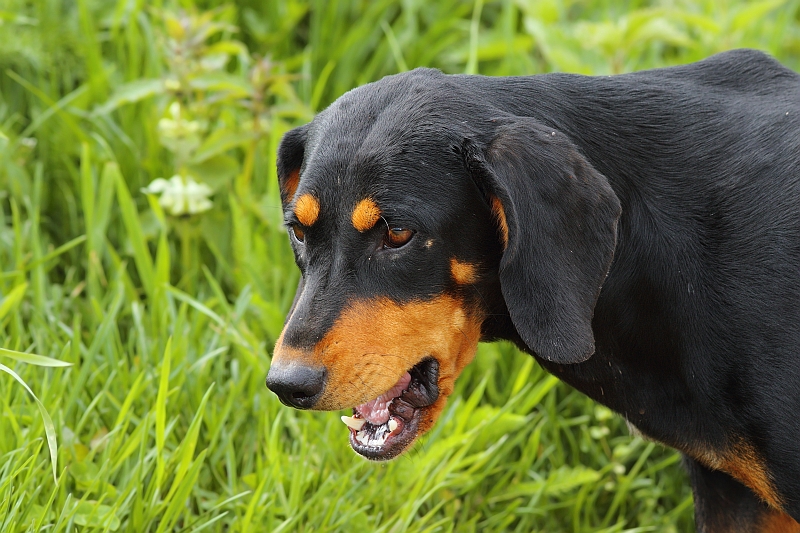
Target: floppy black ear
{"points": [[561, 217], [290, 159]]}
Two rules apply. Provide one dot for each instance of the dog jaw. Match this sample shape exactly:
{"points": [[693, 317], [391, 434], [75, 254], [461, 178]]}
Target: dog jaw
{"points": [[375, 342]]}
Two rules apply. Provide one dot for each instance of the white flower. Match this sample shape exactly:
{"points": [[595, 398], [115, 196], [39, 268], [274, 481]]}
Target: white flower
{"points": [[177, 126], [181, 195], [178, 134]]}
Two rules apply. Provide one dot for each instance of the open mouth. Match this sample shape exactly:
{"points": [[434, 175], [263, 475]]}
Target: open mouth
{"points": [[382, 428]]}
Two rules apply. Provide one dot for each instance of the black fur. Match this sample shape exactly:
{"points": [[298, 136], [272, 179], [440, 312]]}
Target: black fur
{"points": [[653, 259], [558, 252], [716, 494]]}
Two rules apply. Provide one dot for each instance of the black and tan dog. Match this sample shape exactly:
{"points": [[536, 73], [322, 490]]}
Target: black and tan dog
{"points": [[639, 235]]}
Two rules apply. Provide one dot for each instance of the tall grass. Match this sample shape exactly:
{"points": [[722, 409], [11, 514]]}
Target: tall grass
{"points": [[167, 322]]}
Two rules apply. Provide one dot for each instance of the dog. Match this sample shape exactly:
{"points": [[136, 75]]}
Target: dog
{"points": [[637, 234]]}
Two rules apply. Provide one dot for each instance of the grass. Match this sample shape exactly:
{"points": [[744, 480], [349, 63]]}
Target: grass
{"points": [[166, 322]]}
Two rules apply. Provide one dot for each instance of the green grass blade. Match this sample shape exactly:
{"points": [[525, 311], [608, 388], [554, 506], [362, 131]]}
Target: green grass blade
{"points": [[161, 412], [186, 449], [130, 217], [12, 300], [67, 246], [49, 427], [33, 359]]}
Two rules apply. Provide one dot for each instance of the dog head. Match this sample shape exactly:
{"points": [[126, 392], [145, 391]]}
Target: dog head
{"points": [[424, 220]]}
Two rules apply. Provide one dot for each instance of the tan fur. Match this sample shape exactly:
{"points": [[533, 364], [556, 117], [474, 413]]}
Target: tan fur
{"points": [[366, 215], [374, 342], [743, 462], [463, 273], [307, 210], [290, 185], [778, 522], [500, 217]]}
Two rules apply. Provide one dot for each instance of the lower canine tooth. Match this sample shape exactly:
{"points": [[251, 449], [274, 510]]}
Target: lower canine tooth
{"points": [[392, 424], [355, 423]]}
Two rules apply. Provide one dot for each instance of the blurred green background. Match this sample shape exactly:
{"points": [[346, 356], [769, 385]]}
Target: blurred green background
{"points": [[141, 244]]}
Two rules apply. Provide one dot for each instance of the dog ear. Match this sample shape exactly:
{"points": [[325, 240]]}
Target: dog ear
{"points": [[290, 158], [558, 216]]}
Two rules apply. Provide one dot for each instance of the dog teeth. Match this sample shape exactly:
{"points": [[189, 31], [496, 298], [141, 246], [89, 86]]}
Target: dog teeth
{"points": [[352, 422], [381, 433]]}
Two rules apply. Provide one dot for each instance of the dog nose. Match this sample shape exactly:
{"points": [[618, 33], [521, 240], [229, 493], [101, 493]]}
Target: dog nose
{"points": [[297, 386]]}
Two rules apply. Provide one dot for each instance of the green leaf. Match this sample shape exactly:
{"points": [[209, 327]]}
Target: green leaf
{"points": [[92, 514], [227, 47], [186, 450], [49, 427], [33, 359], [219, 142], [754, 13], [658, 29], [558, 481], [177, 504], [130, 219], [161, 410], [216, 171], [87, 477], [497, 424], [13, 299], [129, 93], [162, 269], [235, 86], [58, 251]]}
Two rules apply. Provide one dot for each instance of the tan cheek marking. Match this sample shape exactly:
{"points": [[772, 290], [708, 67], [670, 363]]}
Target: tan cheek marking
{"points": [[743, 463], [307, 209], [500, 216], [374, 342], [290, 185], [366, 214], [778, 522], [463, 273]]}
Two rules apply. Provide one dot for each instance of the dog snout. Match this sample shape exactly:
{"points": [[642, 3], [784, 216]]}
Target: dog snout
{"points": [[297, 386]]}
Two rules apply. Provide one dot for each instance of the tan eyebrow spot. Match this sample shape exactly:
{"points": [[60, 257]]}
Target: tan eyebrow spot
{"points": [[307, 209], [366, 214], [500, 216], [463, 273]]}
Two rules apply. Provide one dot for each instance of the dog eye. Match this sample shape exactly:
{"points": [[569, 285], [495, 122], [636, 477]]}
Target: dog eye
{"points": [[397, 237], [299, 233]]}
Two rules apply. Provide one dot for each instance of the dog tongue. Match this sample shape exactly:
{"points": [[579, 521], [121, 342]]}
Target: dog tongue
{"points": [[376, 412]]}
